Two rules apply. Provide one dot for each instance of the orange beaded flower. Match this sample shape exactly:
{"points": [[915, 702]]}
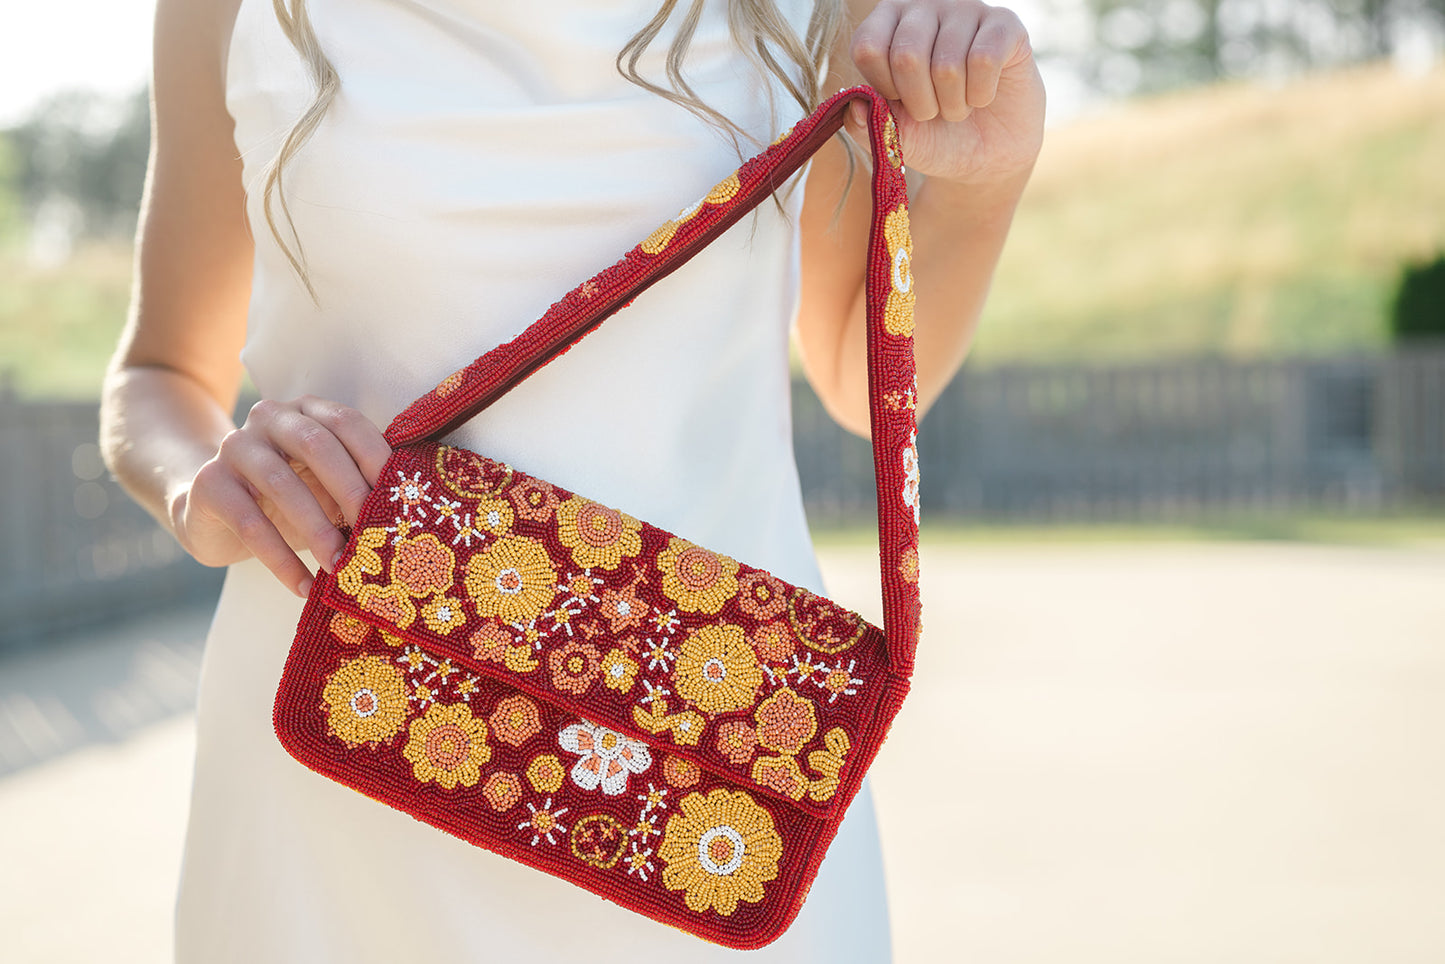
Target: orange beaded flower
{"points": [[598, 536], [349, 629], [515, 720], [781, 774], [503, 791], [786, 722], [574, 666], [737, 741], [774, 642], [696, 579], [392, 603], [762, 596], [680, 773], [533, 499], [423, 565]]}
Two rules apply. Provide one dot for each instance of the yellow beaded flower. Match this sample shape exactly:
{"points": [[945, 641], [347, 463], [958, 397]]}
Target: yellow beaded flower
{"points": [[619, 670], [494, 516], [364, 561], [365, 701], [697, 580], [599, 537], [719, 849], [546, 773], [722, 192], [448, 746], [443, 614], [717, 670], [891, 144], [511, 580], [898, 312]]}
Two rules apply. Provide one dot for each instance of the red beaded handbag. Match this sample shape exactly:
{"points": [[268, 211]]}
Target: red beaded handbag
{"points": [[563, 684]]}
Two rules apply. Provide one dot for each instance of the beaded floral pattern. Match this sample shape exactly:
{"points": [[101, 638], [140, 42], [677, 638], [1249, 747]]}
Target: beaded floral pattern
{"points": [[722, 192], [719, 849], [598, 536], [699, 676], [911, 495], [557, 681], [898, 312], [366, 701], [607, 757], [448, 746]]}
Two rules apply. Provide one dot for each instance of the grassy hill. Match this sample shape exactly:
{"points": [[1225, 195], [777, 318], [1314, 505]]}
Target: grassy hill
{"points": [[58, 325], [1239, 220]]}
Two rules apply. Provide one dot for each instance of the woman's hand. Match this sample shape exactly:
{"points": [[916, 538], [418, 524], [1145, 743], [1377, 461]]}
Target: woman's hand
{"points": [[964, 75], [961, 78], [279, 483]]}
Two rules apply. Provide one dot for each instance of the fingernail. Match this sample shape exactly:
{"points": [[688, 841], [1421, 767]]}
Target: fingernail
{"points": [[335, 561], [303, 588]]}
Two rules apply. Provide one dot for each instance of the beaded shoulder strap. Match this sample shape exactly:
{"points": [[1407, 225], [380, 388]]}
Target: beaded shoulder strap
{"points": [[891, 387]]}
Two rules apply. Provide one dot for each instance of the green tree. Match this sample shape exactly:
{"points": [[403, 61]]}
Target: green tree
{"points": [[1138, 46], [1418, 311], [89, 150], [11, 214]]}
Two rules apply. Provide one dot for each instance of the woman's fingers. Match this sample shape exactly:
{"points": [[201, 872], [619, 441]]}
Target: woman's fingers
{"points": [[336, 446], [364, 442], [910, 60], [951, 68], [262, 458], [1000, 42], [872, 42], [938, 57], [220, 500], [283, 481]]}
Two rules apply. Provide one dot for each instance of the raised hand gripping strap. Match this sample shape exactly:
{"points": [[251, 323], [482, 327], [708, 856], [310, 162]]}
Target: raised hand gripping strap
{"points": [[891, 388]]}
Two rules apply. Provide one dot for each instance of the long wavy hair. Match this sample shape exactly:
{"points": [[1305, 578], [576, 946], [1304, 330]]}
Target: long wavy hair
{"points": [[758, 29]]}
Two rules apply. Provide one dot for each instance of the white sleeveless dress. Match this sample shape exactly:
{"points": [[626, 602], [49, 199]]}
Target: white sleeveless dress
{"points": [[482, 159]]}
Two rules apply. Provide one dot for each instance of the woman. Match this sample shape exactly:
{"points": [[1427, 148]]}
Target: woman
{"points": [[456, 166]]}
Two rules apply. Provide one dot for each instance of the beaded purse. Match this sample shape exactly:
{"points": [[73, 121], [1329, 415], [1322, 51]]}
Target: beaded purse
{"points": [[560, 683]]}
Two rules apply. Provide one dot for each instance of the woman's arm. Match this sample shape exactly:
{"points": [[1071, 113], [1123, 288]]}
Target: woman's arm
{"points": [[970, 106], [166, 431]]}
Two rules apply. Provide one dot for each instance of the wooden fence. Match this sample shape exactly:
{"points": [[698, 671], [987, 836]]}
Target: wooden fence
{"points": [[1159, 441], [77, 549]]}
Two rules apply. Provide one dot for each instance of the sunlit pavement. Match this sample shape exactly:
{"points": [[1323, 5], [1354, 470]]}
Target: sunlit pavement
{"points": [[1143, 753]]}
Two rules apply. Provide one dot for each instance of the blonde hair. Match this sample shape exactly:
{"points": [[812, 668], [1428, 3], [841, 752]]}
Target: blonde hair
{"points": [[758, 29]]}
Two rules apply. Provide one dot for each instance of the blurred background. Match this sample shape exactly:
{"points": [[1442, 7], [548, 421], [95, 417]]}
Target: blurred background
{"points": [[1184, 512]]}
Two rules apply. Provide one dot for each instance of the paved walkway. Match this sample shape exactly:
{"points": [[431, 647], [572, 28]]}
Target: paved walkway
{"points": [[1145, 753]]}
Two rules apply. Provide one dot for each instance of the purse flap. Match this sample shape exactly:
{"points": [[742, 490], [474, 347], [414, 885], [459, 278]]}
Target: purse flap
{"points": [[620, 623]]}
